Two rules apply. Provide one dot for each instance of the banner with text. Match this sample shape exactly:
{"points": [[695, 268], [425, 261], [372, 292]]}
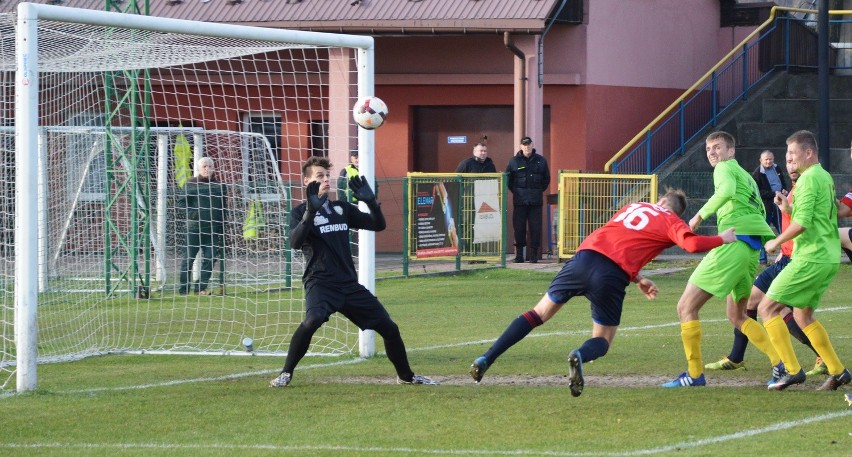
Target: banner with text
{"points": [[435, 222]]}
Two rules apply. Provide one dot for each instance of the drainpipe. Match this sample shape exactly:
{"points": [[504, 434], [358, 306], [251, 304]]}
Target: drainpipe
{"points": [[523, 80], [541, 42]]}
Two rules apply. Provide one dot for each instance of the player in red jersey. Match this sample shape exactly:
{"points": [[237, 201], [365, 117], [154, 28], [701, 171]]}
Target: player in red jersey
{"points": [[605, 263]]}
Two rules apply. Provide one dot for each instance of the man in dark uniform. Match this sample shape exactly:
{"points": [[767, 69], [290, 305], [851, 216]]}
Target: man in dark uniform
{"points": [[204, 199], [528, 177], [320, 228]]}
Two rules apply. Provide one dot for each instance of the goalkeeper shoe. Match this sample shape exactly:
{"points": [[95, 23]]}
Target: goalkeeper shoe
{"points": [[575, 373], [836, 380], [787, 381], [419, 379], [725, 364], [819, 368], [685, 380], [478, 368], [282, 380]]}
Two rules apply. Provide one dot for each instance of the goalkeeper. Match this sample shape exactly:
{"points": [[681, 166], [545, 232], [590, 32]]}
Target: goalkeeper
{"points": [[606, 262], [320, 228]]}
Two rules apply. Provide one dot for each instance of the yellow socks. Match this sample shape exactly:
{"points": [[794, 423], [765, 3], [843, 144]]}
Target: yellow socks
{"points": [[780, 337], [819, 339], [760, 339], [690, 334]]}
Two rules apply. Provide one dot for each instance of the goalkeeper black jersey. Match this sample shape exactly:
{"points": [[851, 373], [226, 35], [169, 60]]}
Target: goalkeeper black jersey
{"points": [[328, 257]]}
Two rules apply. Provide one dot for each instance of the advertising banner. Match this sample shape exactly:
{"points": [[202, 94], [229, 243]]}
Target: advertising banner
{"points": [[435, 230], [487, 224]]}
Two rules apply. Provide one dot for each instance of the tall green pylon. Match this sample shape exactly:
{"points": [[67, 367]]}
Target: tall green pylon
{"points": [[127, 210]]}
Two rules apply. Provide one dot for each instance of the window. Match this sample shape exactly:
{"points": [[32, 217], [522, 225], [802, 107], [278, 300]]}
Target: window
{"points": [[260, 150], [319, 138]]}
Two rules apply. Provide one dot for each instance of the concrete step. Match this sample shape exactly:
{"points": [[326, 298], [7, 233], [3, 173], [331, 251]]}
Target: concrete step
{"points": [[806, 86], [805, 110], [758, 134]]}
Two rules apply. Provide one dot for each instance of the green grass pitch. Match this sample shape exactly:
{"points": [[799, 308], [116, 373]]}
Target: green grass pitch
{"points": [[345, 406]]}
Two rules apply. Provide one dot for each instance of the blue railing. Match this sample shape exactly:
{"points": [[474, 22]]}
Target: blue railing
{"points": [[780, 43]]}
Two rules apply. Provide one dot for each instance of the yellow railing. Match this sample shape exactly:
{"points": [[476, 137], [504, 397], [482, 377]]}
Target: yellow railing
{"points": [[644, 132]]}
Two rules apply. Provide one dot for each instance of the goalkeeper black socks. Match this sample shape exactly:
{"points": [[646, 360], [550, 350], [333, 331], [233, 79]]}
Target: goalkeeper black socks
{"points": [[298, 347]]}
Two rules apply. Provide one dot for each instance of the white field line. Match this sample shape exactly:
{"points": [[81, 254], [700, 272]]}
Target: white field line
{"points": [[419, 451]]}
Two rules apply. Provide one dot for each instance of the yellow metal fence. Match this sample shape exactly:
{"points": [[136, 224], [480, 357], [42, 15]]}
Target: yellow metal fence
{"points": [[587, 201]]}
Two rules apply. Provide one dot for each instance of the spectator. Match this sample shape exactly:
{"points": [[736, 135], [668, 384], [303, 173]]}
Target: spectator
{"points": [[204, 199], [479, 163], [528, 178], [349, 171], [770, 179]]}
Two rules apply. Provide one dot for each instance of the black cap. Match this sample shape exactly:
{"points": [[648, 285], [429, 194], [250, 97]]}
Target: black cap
{"points": [[526, 140], [353, 152]]}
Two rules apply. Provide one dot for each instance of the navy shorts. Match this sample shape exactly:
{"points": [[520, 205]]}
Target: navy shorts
{"points": [[595, 276], [765, 278], [354, 301]]}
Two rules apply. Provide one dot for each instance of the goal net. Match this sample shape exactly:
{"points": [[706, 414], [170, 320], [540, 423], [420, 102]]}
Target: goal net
{"points": [[107, 210]]}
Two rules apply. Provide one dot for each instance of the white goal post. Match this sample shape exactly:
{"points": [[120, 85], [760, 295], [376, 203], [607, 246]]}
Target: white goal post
{"points": [[110, 111]]}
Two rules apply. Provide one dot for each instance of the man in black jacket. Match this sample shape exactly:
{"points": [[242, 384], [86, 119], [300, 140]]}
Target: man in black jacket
{"points": [[204, 200], [479, 163], [770, 178], [528, 177]]}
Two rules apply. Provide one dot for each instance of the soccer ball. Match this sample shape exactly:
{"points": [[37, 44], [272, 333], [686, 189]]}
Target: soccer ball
{"points": [[370, 112]]}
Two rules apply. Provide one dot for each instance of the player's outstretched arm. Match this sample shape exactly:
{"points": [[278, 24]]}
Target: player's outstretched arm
{"points": [[728, 236], [695, 222], [648, 288]]}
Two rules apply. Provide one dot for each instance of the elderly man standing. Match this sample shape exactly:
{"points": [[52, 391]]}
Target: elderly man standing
{"points": [[528, 177], [770, 179]]}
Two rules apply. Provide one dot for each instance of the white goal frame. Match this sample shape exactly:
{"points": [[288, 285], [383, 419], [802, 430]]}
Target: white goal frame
{"points": [[28, 166]]}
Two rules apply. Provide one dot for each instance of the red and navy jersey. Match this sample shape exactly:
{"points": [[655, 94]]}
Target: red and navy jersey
{"points": [[639, 232], [328, 257]]}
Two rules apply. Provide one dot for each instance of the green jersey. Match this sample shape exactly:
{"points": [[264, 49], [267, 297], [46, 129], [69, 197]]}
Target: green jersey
{"points": [[736, 202], [815, 209]]}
